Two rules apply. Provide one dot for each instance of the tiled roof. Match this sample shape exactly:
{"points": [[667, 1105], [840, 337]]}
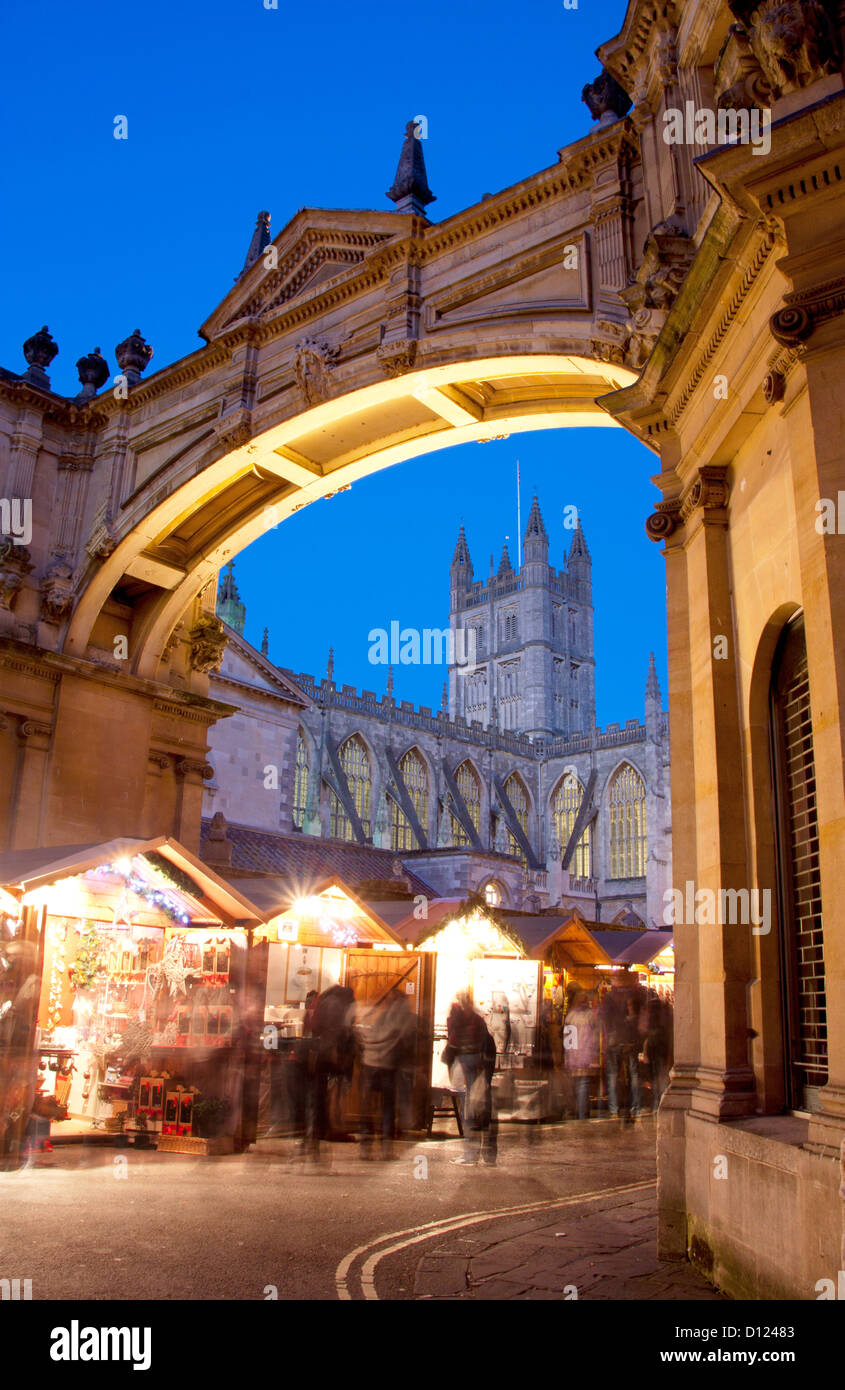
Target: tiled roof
{"points": [[305, 858]]}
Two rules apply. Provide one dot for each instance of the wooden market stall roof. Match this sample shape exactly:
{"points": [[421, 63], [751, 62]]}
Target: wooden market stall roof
{"points": [[278, 896], [21, 871]]}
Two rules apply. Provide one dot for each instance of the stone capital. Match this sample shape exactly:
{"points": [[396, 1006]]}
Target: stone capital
{"points": [[664, 520], [804, 310], [192, 767]]}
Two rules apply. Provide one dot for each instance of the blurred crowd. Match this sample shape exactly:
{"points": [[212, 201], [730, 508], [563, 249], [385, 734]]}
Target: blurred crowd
{"points": [[609, 1049]]}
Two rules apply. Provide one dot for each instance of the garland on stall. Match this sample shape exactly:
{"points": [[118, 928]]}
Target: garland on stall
{"points": [[156, 897], [173, 875]]}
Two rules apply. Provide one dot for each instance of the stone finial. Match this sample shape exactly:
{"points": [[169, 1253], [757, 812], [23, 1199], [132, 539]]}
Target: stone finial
{"points": [[39, 351], [265, 642], [410, 191], [579, 550], [93, 372], [229, 605], [260, 239], [217, 847], [444, 698], [330, 665], [133, 355], [390, 682], [505, 569], [606, 100]]}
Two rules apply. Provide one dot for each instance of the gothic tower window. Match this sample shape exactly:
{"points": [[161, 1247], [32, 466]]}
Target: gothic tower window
{"points": [[300, 781], [470, 789], [626, 807], [565, 807], [355, 761], [415, 778], [518, 797], [802, 943]]}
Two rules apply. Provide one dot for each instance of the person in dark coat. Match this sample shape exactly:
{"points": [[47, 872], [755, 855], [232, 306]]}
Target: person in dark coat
{"points": [[466, 1044]]}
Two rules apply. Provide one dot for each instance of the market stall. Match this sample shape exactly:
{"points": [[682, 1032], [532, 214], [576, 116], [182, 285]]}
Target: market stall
{"points": [[138, 985]]}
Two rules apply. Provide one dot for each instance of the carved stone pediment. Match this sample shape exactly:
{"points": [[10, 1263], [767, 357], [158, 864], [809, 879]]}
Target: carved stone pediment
{"points": [[794, 41], [312, 365], [316, 257]]}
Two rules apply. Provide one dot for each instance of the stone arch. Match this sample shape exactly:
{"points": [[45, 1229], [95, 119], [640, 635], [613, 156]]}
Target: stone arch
{"points": [[192, 515], [767, 1048]]}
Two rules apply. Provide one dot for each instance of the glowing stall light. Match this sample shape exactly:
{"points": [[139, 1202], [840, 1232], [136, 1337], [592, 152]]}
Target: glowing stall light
{"points": [[470, 936]]}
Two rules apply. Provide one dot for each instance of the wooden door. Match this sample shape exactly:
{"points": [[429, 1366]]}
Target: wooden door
{"points": [[371, 975]]}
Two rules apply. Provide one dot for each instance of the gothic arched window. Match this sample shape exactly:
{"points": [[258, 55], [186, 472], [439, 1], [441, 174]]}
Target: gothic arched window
{"points": [[300, 781], [355, 761], [566, 804], [469, 787], [518, 797], [415, 778], [626, 810]]}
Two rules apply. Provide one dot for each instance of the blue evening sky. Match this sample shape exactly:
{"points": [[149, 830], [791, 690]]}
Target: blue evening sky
{"points": [[231, 108]]}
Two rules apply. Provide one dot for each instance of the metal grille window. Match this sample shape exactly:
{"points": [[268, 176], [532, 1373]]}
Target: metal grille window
{"points": [[565, 807], [626, 808], [470, 789], [300, 782], [803, 975]]}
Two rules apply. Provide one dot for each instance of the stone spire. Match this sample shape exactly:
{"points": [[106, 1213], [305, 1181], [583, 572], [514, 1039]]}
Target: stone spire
{"points": [[460, 570], [444, 698], [410, 191], [260, 239], [505, 569], [330, 665], [652, 685], [579, 550], [535, 541], [229, 605], [265, 642], [390, 682]]}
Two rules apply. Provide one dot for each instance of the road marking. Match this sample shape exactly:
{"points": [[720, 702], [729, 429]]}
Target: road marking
{"points": [[415, 1234]]}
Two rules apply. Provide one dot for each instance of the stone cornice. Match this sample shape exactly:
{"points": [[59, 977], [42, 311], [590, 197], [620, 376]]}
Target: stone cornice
{"points": [[15, 655]]}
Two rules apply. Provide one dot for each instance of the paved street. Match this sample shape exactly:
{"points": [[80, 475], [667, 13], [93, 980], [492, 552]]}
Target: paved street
{"points": [[418, 1227]]}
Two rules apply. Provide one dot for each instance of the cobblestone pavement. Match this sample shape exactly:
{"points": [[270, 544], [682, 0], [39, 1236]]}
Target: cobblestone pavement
{"points": [[596, 1249]]}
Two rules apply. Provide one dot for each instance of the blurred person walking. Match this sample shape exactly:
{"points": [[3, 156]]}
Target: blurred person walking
{"points": [[385, 1031], [466, 1044], [581, 1048], [657, 1047]]}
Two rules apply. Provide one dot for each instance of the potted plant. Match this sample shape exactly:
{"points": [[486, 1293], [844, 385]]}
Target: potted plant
{"points": [[209, 1114]]}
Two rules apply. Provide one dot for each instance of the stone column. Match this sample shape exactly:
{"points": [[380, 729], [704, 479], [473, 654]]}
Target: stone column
{"points": [[28, 795]]}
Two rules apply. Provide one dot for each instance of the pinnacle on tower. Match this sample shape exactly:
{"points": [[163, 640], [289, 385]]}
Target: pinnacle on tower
{"points": [[330, 665], [579, 549], [229, 605], [534, 526], [535, 541], [461, 566], [265, 642], [652, 685], [410, 191], [505, 567], [260, 239]]}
